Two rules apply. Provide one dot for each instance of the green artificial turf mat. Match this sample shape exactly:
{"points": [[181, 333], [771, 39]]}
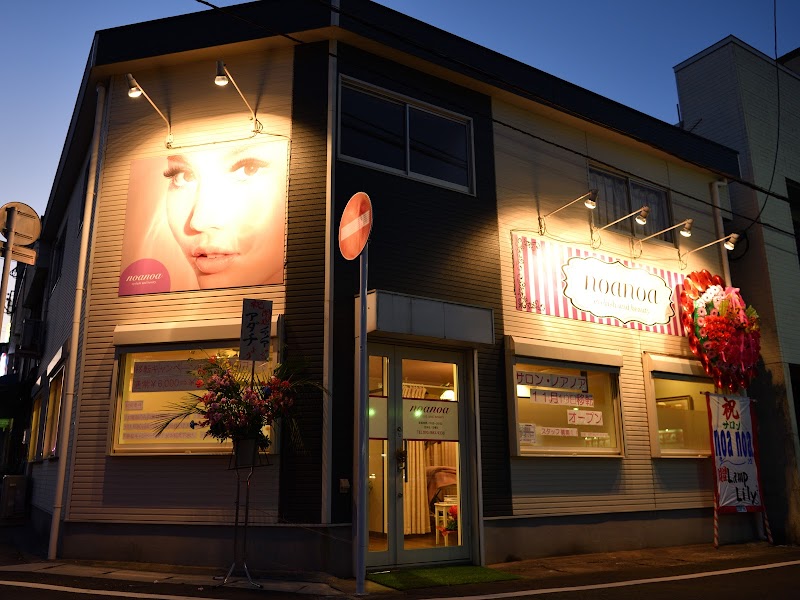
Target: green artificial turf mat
{"points": [[409, 579]]}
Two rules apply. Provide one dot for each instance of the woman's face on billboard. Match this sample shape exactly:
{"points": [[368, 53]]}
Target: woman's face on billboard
{"points": [[225, 207]]}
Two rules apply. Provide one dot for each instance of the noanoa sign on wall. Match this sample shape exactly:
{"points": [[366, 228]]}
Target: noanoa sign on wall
{"points": [[615, 290], [586, 285]]}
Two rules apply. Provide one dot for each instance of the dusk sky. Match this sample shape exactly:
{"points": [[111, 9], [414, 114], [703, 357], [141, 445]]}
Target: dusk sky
{"points": [[622, 49]]}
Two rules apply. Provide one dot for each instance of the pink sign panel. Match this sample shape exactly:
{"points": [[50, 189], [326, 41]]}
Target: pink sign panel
{"points": [[540, 280]]}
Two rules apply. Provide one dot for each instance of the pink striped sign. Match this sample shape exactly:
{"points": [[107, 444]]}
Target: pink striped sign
{"points": [[539, 282]]}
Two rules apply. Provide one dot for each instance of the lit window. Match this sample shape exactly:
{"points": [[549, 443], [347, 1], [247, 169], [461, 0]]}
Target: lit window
{"points": [[682, 414], [566, 408], [679, 421], [150, 384], [411, 139], [50, 440], [619, 196], [34, 441]]}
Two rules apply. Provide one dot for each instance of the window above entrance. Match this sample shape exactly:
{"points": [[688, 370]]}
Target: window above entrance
{"points": [[406, 137]]}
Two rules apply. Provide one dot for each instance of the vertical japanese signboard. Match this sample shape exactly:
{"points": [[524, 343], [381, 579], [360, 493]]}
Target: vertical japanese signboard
{"points": [[735, 451], [256, 330]]}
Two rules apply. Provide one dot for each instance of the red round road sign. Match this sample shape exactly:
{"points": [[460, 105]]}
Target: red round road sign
{"points": [[355, 226]]}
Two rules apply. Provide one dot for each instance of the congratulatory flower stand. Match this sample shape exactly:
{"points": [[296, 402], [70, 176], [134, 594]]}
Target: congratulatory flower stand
{"points": [[239, 405]]}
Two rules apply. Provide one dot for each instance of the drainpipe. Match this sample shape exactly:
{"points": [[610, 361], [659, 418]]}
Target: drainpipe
{"points": [[720, 230], [72, 357]]}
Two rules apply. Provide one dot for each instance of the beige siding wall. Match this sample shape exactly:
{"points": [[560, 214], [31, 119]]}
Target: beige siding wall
{"points": [[165, 489], [730, 95], [533, 175], [759, 99]]}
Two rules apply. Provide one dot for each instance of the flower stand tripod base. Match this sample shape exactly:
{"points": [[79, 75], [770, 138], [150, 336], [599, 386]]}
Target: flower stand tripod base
{"points": [[245, 456]]}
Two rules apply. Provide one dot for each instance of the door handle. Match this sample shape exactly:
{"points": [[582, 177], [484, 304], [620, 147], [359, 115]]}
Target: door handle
{"points": [[402, 460]]}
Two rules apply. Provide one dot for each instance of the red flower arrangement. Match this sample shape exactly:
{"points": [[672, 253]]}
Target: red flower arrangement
{"points": [[236, 404], [452, 519], [723, 332]]}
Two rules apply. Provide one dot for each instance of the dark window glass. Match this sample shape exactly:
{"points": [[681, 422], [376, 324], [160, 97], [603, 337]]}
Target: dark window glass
{"points": [[57, 260], [439, 147], [373, 129]]}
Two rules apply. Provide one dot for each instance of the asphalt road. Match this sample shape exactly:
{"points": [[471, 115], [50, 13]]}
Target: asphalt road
{"points": [[777, 582]]}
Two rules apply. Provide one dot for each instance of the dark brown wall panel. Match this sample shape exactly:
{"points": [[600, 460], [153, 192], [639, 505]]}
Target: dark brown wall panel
{"points": [[426, 241], [305, 278]]}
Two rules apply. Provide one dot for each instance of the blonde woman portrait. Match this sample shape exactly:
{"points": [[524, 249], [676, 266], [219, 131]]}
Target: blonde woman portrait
{"points": [[211, 217]]}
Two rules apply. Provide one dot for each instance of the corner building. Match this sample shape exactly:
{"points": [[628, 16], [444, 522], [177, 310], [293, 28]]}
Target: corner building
{"points": [[530, 389]]}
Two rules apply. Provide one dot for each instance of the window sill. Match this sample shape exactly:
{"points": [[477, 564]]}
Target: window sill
{"points": [[156, 454], [561, 454], [686, 454], [410, 175]]}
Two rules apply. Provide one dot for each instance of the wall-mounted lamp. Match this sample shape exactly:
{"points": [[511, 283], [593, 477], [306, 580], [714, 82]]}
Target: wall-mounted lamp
{"points": [[641, 218], [134, 91], [222, 78], [685, 232], [729, 242], [589, 201]]}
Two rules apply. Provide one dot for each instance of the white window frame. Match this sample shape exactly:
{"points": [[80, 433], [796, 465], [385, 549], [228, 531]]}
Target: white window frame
{"points": [[675, 365], [364, 87], [527, 351], [180, 335], [210, 446]]}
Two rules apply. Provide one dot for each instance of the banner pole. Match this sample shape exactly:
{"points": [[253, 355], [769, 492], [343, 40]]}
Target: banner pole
{"points": [[714, 469], [766, 527], [716, 523]]}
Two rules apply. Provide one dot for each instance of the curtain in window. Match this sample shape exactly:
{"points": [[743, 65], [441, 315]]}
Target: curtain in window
{"points": [[658, 219], [416, 512], [612, 198]]}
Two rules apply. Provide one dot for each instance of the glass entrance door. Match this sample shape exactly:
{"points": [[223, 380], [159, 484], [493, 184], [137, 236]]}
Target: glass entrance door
{"points": [[417, 501]]}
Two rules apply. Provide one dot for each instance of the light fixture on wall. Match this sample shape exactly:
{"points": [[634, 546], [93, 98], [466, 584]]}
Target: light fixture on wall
{"points": [[134, 91], [641, 218], [729, 242], [589, 201], [685, 232], [222, 78]]}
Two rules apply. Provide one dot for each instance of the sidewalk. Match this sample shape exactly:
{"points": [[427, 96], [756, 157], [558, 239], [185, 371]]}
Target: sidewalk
{"points": [[551, 572]]}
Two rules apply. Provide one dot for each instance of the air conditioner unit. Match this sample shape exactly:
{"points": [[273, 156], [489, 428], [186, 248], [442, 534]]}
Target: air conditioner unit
{"points": [[13, 496]]}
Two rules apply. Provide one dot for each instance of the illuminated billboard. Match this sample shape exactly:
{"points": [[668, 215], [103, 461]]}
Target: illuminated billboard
{"points": [[208, 217]]}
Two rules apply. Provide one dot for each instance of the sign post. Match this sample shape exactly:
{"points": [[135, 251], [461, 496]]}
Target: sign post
{"points": [[21, 226], [7, 251], [354, 230]]}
